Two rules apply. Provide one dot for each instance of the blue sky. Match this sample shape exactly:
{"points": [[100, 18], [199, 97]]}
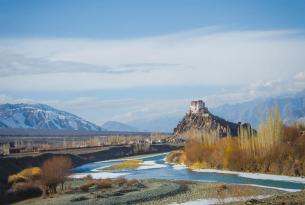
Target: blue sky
{"points": [[122, 60], [136, 18]]}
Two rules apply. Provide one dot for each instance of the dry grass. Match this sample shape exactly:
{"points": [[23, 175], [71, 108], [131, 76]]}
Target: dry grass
{"points": [[98, 183], [120, 181], [132, 182], [88, 177], [223, 192], [108, 183], [222, 187], [104, 183], [130, 164], [175, 157], [86, 186]]}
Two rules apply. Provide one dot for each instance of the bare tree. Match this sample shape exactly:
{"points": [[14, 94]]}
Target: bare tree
{"points": [[54, 172]]}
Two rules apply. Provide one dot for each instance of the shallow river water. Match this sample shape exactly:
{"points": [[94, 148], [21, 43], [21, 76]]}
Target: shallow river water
{"points": [[154, 166]]}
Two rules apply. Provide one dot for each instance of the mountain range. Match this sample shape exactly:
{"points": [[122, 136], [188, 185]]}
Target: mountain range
{"points": [[159, 124], [41, 116], [118, 126], [291, 107]]}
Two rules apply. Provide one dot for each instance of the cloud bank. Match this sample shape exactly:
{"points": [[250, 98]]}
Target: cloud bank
{"points": [[197, 57]]}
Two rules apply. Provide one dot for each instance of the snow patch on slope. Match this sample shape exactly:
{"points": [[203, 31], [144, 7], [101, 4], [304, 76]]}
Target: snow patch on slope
{"points": [[39, 116]]}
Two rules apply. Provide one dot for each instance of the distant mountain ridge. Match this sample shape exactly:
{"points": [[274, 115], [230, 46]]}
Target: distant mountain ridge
{"points": [[118, 126], [164, 123], [41, 116], [291, 107]]}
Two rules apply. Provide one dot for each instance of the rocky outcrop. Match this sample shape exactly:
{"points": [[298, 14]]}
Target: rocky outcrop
{"points": [[201, 119]]}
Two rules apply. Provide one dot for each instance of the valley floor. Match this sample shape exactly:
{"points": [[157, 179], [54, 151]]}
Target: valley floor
{"points": [[155, 192]]}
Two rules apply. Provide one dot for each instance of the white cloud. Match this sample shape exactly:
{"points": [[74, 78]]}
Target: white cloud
{"points": [[199, 57], [300, 76], [9, 99], [260, 89], [16, 64]]}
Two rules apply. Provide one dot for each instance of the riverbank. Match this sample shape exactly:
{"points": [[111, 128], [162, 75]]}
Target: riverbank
{"points": [[12, 165], [153, 192], [177, 187], [214, 193], [287, 198], [177, 158]]}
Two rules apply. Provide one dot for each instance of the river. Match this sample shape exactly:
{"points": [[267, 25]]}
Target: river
{"points": [[155, 166]]}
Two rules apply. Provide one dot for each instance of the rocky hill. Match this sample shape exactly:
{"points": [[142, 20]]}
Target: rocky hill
{"points": [[40, 116], [199, 118]]}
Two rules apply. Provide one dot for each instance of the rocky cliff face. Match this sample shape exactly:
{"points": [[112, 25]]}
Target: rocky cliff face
{"points": [[205, 121]]}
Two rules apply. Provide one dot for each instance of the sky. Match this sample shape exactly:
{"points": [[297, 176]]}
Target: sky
{"points": [[133, 60]]}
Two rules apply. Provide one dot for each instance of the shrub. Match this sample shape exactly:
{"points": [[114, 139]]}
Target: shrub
{"points": [[22, 190], [15, 179], [200, 165], [104, 183], [222, 187], [175, 157], [32, 173], [85, 187], [24, 186], [120, 181], [133, 182], [88, 177]]}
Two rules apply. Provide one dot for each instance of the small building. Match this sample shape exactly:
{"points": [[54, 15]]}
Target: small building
{"points": [[197, 106], [5, 149]]}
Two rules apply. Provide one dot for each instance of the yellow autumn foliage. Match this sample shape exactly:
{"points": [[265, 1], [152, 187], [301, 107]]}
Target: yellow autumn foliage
{"points": [[227, 155], [200, 165], [176, 156], [25, 175], [130, 164]]}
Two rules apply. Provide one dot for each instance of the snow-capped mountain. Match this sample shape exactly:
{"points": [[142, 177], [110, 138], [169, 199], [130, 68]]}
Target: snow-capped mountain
{"points": [[118, 126], [40, 116], [291, 107]]}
